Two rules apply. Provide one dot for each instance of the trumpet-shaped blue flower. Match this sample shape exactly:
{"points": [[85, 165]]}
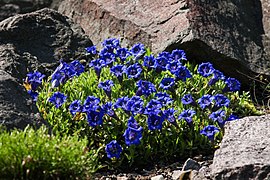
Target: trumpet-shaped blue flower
{"points": [[135, 105], [108, 58], [178, 55], [122, 103], [163, 98], [188, 99], [145, 88], [205, 101], [205, 69], [118, 71], [149, 61], [167, 83], [217, 75], [209, 131], [106, 86], [33, 94], [187, 115], [220, 101], [108, 109], [97, 64], [169, 115], [75, 107], [113, 149], [111, 43], [138, 50], [232, 85], [153, 107], [91, 50], [133, 136], [133, 123], [172, 66], [155, 122], [91, 103], [34, 79], [232, 117], [123, 53], [160, 64], [182, 73], [218, 116], [77, 66], [58, 99], [133, 71], [95, 118], [165, 55]]}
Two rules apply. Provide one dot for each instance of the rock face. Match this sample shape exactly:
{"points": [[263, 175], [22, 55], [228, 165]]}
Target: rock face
{"points": [[245, 150], [28, 42], [233, 35]]}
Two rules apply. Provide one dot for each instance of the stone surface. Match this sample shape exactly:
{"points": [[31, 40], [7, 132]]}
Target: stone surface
{"points": [[234, 35], [191, 164], [158, 177], [28, 42], [244, 152]]}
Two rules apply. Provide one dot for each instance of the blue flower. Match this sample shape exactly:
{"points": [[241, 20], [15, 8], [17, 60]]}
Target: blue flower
{"points": [[121, 103], [145, 88], [133, 135], [118, 71], [220, 101], [232, 118], [33, 94], [108, 109], [232, 85], [106, 86], [133, 123], [138, 50], [58, 99], [155, 122], [178, 55], [149, 61], [218, 116], [169, 115], [167, 83], [135, 105], [187, 115], [160, 64], [209, 131], [108, 58], [165, 55], [163, 98], [75, 107], [172, 66], [188, 99], [34, 79], [91, 103], [77, 66], [97, 64], [205, 101], [95, 118], [111, 43], [205, 69], [91, 50], [217, 75], [153, 107], [182, 73], [113, 149], [123, 53], [133, 71]]}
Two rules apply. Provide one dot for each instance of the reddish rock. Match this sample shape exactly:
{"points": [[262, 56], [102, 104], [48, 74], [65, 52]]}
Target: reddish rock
{"points": [[233, 35]]}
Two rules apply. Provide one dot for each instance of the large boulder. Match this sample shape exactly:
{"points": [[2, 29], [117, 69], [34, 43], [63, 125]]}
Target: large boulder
{"points": [[28, 42], [244, 152], [234, 35]]}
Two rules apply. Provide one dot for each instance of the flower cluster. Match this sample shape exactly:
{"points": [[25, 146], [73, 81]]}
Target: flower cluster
{"points": [[129, 99]]}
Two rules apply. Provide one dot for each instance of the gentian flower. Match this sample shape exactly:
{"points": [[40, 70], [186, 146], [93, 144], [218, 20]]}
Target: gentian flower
{"points": [[91, 103], [77, 66], [149, 61], [122, 103], [133, 123], [219, 117], [108, 58], [113, 149], [108, 109], [232, 118], [155, 122], [178, 55], [123, 53], [145, 88], [160, 64], [188, 99], [217, 75], [133, 136], [220, 101], [205, 69], [209, 131], [167, 83], [232, 85], [97, 64], [163, 98], [75, 107], [33, 94], [58, 99], [138, 50], [182, 73], [169, 115], [34, 79], [118, 70], [153, 107], [187, 115], [91, 50], [165, 55], [172, 66], [106, 86], [133, 71], [111, 43], [95, 118], [205, 101], [135, 105]]}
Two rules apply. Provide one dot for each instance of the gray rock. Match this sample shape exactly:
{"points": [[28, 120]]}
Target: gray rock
{"points": [[244, 152], [158, 177], [234, 35], [28, 42], [191, 164]]}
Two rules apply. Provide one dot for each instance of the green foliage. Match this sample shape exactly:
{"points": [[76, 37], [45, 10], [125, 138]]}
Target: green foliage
{"points": [[178, 140], [34, 154]]}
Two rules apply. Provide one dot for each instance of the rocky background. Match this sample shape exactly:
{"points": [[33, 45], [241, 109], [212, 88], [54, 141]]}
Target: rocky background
{"points": [[233, 35]]}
